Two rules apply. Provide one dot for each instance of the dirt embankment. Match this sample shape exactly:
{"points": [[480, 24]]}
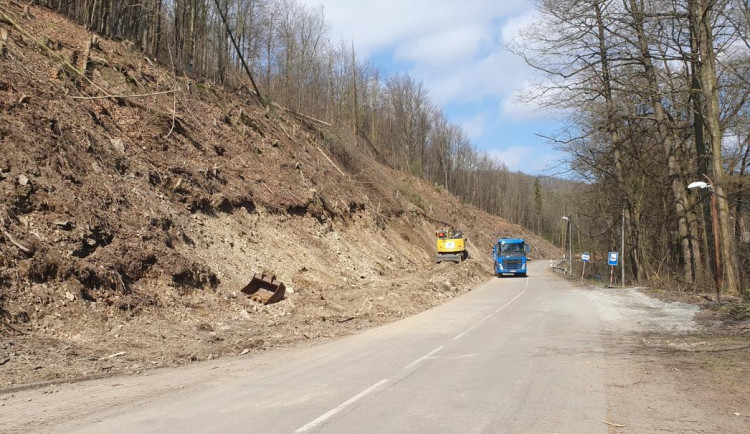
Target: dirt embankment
{"points": [[129, 224]]}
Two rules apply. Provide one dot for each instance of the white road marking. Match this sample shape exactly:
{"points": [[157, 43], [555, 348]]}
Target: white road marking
{"points": [[380, 383], [342, 406], [514, 298], [423, 358], [463, 333], [468, 330]]}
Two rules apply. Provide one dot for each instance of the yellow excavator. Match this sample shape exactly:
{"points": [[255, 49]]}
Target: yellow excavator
{"points": [[451, 246]]}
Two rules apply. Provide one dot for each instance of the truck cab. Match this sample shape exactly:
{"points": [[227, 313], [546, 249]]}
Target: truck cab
{"points": [[509, 255]]}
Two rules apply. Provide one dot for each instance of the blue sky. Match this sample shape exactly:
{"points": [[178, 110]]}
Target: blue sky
{"points": [[456, 49]]}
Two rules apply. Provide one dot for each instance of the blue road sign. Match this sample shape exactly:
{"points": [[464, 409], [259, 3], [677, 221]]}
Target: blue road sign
{"points": [[586, 257], [612, 258]]}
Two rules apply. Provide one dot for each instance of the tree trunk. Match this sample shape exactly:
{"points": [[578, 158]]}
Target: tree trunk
{"points": [[701, 18], [671, 148]]}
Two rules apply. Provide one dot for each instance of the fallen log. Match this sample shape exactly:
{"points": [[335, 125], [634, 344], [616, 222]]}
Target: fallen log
{"points": [[16, 243]]}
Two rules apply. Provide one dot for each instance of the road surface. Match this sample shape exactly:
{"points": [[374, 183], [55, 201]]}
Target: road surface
{"points": [[512, 355]]}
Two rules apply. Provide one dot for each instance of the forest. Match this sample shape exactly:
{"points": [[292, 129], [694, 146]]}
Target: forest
{"points": [[656, 95], [653, 93]]}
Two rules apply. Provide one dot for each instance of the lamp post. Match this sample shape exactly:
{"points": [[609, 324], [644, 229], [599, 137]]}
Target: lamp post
{"points": [[715, 225], [622, 248], [570, 246]]}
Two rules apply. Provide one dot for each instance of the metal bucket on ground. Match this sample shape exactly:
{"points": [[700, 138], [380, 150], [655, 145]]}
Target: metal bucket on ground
{"points": [[265, 288]]}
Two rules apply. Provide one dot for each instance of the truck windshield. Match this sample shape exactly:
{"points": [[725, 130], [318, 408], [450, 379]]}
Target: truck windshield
{"points": [[511, 249]]}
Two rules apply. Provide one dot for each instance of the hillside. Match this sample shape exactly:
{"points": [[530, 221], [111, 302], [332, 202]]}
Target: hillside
{"points": [[130, 222]]}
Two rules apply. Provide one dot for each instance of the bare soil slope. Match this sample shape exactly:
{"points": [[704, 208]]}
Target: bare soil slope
{"points": [[129, 224]]}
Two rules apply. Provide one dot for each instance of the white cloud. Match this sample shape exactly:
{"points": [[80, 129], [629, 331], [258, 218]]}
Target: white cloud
{"points": [[496, 74], [476, 125], [528, 159], [457, 50], [516, 26], [448, 48], [533, 100], [513, 157], [382, 24], [525, 104], [454, 48]]}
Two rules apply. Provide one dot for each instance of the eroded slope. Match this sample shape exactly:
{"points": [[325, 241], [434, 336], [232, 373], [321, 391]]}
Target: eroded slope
{"points": [[130, 223]]}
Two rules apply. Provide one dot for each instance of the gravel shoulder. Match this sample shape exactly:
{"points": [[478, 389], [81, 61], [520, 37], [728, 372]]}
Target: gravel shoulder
{"points": [[672, 366]]}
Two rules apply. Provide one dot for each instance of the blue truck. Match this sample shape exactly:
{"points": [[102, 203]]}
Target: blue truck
{"points": [[509, 255]]}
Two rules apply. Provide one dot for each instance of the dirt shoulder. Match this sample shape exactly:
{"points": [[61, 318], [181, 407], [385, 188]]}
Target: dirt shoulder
{"points": [[679, 383], [83, 341], [674, 363]]}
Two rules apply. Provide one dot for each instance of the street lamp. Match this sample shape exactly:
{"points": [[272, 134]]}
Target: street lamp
{"points": [[570, 246], [715, 224], [699, 184]]}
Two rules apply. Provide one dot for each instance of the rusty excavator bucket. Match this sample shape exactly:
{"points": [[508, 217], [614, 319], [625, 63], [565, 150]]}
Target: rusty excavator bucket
{"points": [[265, 288]]}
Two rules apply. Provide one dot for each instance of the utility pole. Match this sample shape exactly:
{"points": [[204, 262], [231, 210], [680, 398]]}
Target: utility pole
{"points": [[570, 245], [570, 256], [715, 226], [622, 250]]}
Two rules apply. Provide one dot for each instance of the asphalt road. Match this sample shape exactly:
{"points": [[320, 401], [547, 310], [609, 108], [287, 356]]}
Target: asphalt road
{"points": [[512, 355]]}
